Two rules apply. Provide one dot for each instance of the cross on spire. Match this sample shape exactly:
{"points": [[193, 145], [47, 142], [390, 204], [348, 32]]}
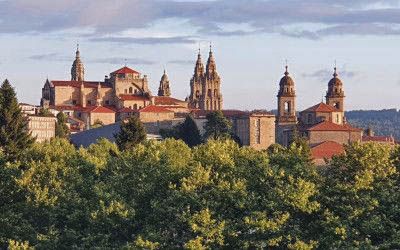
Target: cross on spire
{"points": [[335, 71], [286, 67]]}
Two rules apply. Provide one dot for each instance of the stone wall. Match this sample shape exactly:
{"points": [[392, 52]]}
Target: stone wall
{"points": [[43, 128]]}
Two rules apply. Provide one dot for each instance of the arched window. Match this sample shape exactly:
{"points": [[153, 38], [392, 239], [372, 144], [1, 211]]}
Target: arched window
{"points": [[130, 90], [135, 91], [197, 94], [337, 105], [287, 107], [209, 92], [215, 92], [135, 106]]}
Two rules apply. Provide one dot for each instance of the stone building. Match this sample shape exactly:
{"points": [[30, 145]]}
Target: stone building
{"points": [[205, 85], [322, 125], [255, 129], [122, 92], [42, 127]]}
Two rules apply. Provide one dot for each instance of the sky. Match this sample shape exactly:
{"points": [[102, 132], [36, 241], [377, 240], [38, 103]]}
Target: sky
{"points": [[251, 41]]}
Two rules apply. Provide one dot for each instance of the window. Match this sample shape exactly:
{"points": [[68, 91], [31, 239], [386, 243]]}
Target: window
{"points": [[209, 92], [130, 90], [107, 102], [337, 105], [197, 94], [136, 91], [74, 102], [337, 118], [135, 106], [287, 107], [215, 92], [89, 102]]}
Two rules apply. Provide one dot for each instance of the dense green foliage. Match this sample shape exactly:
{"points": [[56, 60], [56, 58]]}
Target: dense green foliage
{"points": [[14, 136], [383, 122], [217, 126], [166, 195], [186, 131], [62, 130], [132, 133]]}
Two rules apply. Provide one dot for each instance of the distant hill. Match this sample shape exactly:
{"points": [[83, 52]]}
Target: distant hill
{"points": [[383, 122]]}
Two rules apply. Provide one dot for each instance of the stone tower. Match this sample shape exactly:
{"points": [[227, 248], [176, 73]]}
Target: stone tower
{"points": [[286, 120], [196, 89], [205, 86], [164, 89], [212, 97], [77, 70], [335, 94]]}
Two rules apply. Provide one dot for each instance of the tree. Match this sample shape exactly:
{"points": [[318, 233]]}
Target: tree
{"points": [[217, 126], [132, 133], [97, 124], [186, 131], [189, 132], [45, 112], [14, 135], [62, 130]]}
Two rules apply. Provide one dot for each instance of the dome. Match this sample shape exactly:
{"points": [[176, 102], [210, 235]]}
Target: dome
{"points": [[286, 80], [335, 80]]}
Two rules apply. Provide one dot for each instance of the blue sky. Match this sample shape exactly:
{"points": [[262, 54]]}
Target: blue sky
{"points": [[251, 40]]}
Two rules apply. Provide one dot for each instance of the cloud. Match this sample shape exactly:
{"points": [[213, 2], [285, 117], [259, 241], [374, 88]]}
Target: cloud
{"points": [[326, 74], [181, 62], [121, 61], [107, 18], [147, 40], [50, 57]]}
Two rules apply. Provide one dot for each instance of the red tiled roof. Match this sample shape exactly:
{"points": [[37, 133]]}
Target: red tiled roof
{"points": [[99, 109], [155, 109], [326, 149], [133, 98], [330, 126], [166, 100], [321, 107], [77, 84], [66, 107], [367, 138], [125, 70], [227, 113]]}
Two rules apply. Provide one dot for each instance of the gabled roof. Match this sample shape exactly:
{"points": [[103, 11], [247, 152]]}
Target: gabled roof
{"points": [[166, 100], [154, 109], [125, 70], [133, 98], [326, 149], [77, 84], [321, 107], [330, 126], [99, 109]]}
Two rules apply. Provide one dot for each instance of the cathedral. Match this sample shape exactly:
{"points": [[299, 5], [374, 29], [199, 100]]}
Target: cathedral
{"points": [[205, 85], [126, 91], [321, 123]]}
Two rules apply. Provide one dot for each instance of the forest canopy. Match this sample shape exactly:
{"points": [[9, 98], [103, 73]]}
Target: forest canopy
{"points": [[166, 195]]}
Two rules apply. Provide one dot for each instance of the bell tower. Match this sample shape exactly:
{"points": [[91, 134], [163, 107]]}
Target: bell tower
{"points": [[335, 94], [77, 70], [164, 89], [286, 120], [212, 96], [196, 90]]}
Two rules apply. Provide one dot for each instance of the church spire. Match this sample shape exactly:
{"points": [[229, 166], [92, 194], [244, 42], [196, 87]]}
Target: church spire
{"points": [[199, 68], [77, 70], [211, 68]]}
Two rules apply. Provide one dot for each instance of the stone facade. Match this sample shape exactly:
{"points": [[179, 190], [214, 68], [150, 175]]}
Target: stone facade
{"points": [[42, 127], [205, 86], [164, 89]]}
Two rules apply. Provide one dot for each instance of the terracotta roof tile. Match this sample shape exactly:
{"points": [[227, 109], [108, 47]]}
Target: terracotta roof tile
{"points": [[99, 109], [166, 100], [133, 98], [330, 126], [125, 70], [388, 139], [326, 149], [155, 109], [321, 107]]}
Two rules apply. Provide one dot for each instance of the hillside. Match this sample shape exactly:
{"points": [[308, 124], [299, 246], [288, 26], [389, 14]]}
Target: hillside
{"points": [[383, 122]]}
